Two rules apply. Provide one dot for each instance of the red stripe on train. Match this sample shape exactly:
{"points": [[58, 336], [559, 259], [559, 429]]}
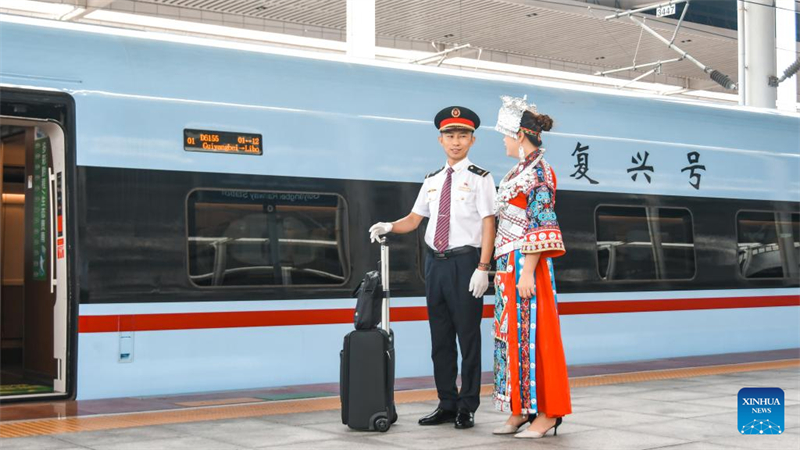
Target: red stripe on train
{"points": [[238, 319]]}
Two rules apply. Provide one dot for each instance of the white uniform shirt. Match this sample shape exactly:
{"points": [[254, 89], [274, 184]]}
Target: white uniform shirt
{"points": [[471, 199]]}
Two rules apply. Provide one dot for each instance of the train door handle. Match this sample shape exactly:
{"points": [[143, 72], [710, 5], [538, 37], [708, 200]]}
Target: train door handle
{"points": [[51, 199]]}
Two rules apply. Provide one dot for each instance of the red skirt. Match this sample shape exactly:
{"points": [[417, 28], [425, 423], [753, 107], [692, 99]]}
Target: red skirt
{"points": [[516, 321]]}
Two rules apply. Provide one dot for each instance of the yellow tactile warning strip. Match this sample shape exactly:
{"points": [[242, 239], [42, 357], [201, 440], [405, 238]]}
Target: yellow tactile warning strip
{"points": [[270, 408], [107, 422]]}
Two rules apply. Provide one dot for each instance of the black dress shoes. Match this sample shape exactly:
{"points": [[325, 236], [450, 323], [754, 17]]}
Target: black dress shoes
{"points": [[464, 419], [438, 417]]}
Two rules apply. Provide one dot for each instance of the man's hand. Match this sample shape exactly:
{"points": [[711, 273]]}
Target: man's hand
{"points": [[479, 282], [379, 229]]}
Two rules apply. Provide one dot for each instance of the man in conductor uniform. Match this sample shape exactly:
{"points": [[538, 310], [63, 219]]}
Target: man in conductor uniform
{"points": [[459, 200]]}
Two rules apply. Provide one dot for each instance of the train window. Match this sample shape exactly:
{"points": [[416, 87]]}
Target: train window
{"points": [[677, 243], [768, 244], [644, 243], [796, 230], [257, 238], [794, 256]]}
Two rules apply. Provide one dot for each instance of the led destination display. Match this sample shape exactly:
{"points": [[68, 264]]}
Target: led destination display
{"points": [[221, 142]]}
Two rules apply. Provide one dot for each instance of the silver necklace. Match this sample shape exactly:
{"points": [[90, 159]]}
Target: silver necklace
{"points": [[509, 188]]}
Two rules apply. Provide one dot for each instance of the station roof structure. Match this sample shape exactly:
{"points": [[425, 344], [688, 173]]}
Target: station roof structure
{"points": [[568, 40]]}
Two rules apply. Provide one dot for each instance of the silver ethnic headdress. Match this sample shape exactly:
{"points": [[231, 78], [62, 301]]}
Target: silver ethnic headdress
{"points": [[510, 115]]}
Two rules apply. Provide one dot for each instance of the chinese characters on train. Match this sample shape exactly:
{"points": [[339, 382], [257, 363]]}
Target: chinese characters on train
{"points": [[694, 168], [642, 167], [639, 166], [582, 167]]}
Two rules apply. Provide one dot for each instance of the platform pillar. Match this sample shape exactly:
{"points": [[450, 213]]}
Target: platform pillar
{"points": [[760, 63], [785, 17], [361, 28]]}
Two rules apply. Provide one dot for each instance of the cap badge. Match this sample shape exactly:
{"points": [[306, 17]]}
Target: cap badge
{"points": [[455, 112]]}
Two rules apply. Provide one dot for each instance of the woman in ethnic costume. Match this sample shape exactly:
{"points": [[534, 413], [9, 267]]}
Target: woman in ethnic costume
{"points": [[530, 372]]}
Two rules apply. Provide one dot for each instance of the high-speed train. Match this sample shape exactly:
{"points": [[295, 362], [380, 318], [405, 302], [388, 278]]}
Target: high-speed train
{"points": [[185, 215]]}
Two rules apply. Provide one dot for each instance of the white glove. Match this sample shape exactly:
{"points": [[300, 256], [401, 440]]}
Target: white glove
{"points": [[479, 282], [379, 229]]}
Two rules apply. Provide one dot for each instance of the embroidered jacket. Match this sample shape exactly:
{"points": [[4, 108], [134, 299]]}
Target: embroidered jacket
{"points": [[526, 210]]}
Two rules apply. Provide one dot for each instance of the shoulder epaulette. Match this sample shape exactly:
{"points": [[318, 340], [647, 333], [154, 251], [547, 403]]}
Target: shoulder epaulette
{"points": [[433, 173], [478, 171]]}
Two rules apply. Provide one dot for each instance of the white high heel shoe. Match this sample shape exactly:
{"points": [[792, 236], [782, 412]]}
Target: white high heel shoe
{"points": [[530, 434], [511, 429]]}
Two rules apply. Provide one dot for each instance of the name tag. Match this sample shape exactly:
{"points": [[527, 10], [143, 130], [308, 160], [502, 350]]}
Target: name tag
{"points": [[432, 195], [464, 188]]}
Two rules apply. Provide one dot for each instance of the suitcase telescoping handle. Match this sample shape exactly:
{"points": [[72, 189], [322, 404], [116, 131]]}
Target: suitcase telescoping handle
{"points": [[385, 283]]}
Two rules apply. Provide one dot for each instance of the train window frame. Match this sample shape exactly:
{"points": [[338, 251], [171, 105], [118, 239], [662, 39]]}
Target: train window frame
{"points": [[348, 268], [649, 280], [739, 273]]}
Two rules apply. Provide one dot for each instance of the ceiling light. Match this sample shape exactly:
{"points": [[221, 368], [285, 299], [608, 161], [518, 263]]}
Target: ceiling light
{"points": [[72, 14], [15, 199], [214, 30], [55, 9], [733, 98]]}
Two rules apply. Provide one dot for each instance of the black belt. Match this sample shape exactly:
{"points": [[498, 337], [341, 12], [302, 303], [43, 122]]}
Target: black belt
{"points": [[453, 252]]}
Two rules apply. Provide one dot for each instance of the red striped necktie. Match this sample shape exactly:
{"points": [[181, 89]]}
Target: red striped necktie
{"points": [[442, 237]]}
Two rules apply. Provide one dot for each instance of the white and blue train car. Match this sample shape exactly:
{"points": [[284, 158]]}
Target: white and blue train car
{"points": [[197, 211]]}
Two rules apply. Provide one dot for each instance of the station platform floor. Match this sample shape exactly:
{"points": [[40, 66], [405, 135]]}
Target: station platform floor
{"points": [[679, 403]]}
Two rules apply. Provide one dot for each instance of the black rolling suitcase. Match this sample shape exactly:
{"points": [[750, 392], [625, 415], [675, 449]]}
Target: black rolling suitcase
{"points": [[366, 382]]}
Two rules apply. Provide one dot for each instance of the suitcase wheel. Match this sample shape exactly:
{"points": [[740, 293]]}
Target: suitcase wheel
{"points": [[382, 424]]}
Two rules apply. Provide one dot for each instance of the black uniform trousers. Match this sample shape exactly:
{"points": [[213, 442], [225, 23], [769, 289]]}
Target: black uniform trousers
{"points": [[453, 312]]}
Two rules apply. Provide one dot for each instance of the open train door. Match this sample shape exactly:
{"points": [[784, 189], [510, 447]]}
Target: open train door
{"points": [[33, 267]]}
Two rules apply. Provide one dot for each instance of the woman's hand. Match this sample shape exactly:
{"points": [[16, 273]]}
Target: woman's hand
{"points": [[526, 285], [527, 282]]}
